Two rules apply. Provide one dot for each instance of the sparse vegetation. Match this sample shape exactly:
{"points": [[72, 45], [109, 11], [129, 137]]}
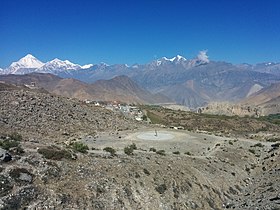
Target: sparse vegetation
{"points": [[277, 145], [145, 118], [155, 119], [273, 139], [80, 147], [226, 125], [15, 136], [17, 172], [133, 146], [258, 145], [188, 153], [5, 185], [181, 177], [252, 151], [152, 149], [18, 150], [146, 171], [55, 153], [161, 188], [8, 144], [161, 152], [111, 150], [272, 118], [129, 149]]}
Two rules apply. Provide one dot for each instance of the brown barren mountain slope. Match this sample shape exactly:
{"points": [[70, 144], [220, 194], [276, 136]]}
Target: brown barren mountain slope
{"points": [[264, 95], [120, 88], [49, 170], [268, 99]]}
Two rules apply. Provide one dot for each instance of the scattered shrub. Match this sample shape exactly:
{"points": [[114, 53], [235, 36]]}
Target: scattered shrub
{"points": [[176, 153], [7, 144], [273, 140], [133, 146], [80, 147], [17, 172], [111, 150], [54, 153], [188, 153], [277, 145], [15, 136], [152, 149], [17, 150], [145, 118], [252, 151], [230, 142], [129, 149], [161, 152], [146, 171], [161, 188], [5, 185], [258, 145]]}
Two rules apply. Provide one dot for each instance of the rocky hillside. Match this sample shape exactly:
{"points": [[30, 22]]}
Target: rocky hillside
{"points": [[59, 153], [46, 115], [230, 109]]}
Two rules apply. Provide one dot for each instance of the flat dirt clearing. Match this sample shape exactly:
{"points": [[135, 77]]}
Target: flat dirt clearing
{"points": [[166, 139], [156, 136]]}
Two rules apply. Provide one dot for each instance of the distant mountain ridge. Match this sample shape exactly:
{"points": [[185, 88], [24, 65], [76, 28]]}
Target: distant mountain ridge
{"points": [[190, 82], [120, 88], [29, 64]]}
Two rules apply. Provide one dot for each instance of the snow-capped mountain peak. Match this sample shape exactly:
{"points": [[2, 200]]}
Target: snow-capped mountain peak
{"points": [[57, 65], [104, 64], [269, 63], [178, 58], [164, 60], [202, 58], [27, 62]]}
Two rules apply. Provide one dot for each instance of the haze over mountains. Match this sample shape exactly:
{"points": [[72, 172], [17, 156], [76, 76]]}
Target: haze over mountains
{"points": [[120, 88], [191, 82]]}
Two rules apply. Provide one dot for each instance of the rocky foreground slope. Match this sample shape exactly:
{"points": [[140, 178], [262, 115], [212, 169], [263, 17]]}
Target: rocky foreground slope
{"points": [[44, 166], [39, 114]]}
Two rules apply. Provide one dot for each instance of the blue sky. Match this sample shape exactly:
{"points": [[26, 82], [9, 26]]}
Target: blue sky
{"points": [[111, 31]]}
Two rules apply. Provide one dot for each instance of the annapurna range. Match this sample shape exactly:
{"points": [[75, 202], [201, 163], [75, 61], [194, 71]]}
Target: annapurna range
{"points": [[190, 82]]}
